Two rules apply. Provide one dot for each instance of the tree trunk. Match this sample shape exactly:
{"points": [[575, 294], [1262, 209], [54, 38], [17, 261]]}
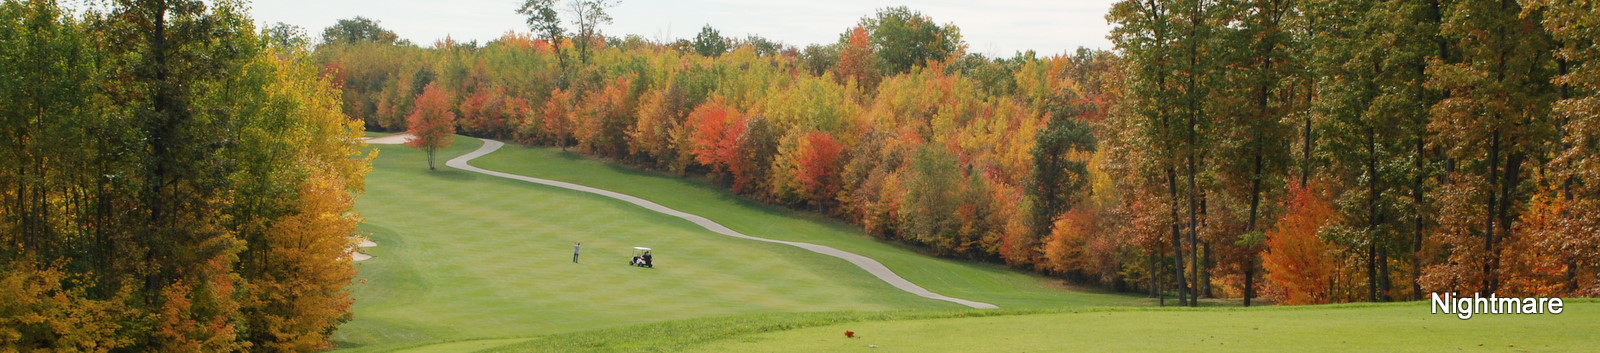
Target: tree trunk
{"points": [[1416, 231], [1249, 282], [430, 158], [1177, 244], [1489, 211], [1250, 227]]}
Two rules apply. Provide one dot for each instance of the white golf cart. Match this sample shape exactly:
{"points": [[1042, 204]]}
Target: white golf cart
{"points": [[641, 257]]}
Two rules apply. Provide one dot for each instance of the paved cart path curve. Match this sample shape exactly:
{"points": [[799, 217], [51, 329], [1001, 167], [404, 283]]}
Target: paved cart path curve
{"points": [[866, 263]]}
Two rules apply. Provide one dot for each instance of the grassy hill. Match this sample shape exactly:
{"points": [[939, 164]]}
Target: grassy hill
{"points": [[473, 261]]}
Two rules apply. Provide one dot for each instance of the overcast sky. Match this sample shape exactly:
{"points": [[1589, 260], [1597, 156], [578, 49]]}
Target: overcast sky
{"points": [[991, 27]]}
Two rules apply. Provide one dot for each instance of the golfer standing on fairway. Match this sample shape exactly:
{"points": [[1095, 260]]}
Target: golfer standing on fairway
{"points": [[575, 247]]}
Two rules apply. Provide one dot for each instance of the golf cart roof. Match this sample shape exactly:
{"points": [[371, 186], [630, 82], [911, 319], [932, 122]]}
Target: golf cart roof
{"points": [[641, 248]]}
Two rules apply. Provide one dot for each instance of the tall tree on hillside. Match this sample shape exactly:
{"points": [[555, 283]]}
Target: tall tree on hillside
{"points": [[1059, 180], [1496, 118], [432, 122], [1146, 33], [1252, 104], [905, 38], [174, 56], [1196, 27], [587, 16], [546, 24], [1572, 178], [291, 201]]}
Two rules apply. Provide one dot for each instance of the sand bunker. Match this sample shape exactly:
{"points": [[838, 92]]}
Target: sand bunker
{"points": [[396, 139], [356, 255]]}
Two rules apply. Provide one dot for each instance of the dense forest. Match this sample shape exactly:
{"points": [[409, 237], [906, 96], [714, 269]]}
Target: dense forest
{"points": [[174, 181], [1302, 151]]}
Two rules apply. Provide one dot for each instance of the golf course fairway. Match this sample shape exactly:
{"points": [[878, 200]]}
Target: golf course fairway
{"points": [[466, 257], [470, 262]]}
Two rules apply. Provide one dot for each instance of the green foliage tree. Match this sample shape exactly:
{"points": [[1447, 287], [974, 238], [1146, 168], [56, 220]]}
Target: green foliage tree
{"points": [[358, 30], [1147, 33], [710, 42], [1059, 181], [1496, 118], [176, 142], [905, 38]]}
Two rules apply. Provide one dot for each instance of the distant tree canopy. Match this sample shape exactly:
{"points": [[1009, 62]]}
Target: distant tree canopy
{"points": [[710, 42], [358, 30], [905, 38]]}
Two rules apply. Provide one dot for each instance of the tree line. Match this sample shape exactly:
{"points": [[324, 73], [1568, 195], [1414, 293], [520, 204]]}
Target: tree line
{"points": [[174, 181], [1364, 150], [1301, 151]]}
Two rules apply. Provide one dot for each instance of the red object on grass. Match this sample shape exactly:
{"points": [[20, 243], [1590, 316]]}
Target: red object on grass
{"points": [[849, 334]]}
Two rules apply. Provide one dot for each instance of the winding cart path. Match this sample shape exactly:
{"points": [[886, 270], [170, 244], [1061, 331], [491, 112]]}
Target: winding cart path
{"points": [[866, 263]]}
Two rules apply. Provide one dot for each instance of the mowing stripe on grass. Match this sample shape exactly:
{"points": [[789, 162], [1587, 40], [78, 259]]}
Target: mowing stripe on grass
{"points": [[872, 266]]}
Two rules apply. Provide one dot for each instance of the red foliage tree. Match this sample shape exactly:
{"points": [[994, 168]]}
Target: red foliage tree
{"points": [[431, 123], [1300, 266], [817, 169], [716, 130]]}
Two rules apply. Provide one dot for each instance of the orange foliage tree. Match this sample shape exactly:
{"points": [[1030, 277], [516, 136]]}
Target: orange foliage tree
{"points": [[1064, 250], [431, 123], [856, 60], [1300, 265]]}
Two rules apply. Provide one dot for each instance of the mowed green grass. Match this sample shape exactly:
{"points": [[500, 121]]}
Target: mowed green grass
{"points": [[474, 261], [1402, 327], [991, 283]]}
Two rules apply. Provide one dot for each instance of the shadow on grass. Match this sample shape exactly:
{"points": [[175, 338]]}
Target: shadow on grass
{"points": [[451, 174]]}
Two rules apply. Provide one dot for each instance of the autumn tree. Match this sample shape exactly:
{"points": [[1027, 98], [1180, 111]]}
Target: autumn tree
{"points": [[298, 263], [188, 135], [1252, 103], [856, 60], [817, 167], [818, 59], [1495, 120], [1300, 266], [715, 136], [556, 117], [1553, 253], [432, 122], [1147, 33]]}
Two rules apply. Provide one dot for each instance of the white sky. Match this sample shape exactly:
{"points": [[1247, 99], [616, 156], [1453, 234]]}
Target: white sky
{"points": [[992, 27]]}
